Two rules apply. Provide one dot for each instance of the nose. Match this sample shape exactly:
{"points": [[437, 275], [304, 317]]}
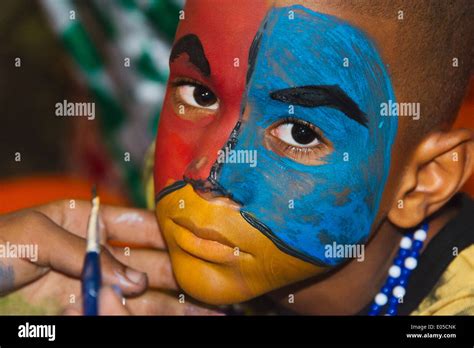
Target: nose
{"points": [[215, 138]]}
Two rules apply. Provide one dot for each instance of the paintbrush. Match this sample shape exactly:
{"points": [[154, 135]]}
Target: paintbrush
{"points": [[91, 275]]}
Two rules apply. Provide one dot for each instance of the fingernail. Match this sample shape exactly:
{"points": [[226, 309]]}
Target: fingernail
{"points": [[134, 276], [117, 290]]}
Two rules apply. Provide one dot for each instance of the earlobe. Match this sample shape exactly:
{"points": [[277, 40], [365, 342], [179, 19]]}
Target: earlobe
{"points": [[440, 165]]}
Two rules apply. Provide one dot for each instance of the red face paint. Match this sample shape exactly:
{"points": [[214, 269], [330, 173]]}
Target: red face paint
{"points": [[189, 147]]}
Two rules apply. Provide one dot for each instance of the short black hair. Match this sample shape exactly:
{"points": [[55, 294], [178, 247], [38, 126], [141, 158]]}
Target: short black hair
{"points": [[433, 63]]}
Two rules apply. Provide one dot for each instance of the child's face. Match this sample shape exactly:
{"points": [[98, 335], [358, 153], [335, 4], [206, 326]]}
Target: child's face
{"points": [[271, 149]]}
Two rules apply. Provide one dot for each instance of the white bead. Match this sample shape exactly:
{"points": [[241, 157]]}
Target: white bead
{"points": [[405, 243], [420, 235], [399, 291], [381, 299], [394, 271], [411, 263]]}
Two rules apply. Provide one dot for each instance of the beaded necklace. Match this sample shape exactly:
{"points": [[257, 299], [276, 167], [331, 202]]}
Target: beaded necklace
{"points": [[405, 262]]}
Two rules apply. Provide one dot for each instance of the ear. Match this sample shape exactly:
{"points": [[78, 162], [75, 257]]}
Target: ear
{"points": [[440, 165]]}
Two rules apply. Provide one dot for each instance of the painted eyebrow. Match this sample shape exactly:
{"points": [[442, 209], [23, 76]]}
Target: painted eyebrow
{"points": [[322, 95], [192, 46]]}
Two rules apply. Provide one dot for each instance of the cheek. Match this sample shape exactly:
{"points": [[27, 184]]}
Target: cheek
{"points": [[277, 268], [172, 151], [189, 148]]}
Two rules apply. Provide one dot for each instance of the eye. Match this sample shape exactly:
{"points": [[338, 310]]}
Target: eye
{"points": [[296, 134], [198, 96], [298, 140]]}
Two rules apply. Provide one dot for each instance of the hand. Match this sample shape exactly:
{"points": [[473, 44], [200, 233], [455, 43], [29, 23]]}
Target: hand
{"points": [[51, 283], [110, 303], [58, 229]]}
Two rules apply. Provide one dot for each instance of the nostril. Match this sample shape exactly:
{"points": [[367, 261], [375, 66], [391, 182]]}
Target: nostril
{"points": [[210, 189], [217, 197]]}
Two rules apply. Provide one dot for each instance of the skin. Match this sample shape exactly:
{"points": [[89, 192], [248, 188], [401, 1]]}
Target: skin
{"points": [[195, 232], [110, 303], [144, 277]]}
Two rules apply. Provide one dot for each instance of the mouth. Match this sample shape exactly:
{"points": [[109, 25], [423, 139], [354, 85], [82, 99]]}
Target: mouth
{"points": [[203, 243]]}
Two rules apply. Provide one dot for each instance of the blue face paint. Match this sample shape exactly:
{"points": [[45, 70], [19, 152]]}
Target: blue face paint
{"points": [[335, 201]]}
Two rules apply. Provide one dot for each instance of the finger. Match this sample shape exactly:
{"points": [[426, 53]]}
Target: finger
{"points": [[160, 303], [16, 273], [72, 311], [156, 264], [127, 225], [74, 308], [135, 226], [110, 302], [64, 252]]}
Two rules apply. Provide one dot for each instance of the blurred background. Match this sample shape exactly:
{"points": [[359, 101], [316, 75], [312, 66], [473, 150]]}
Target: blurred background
{"points": [[110, 52]]}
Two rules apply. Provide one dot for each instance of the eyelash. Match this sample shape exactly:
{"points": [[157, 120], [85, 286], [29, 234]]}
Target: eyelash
{"points": [[301, 153], [178, 98], [183, 81]]}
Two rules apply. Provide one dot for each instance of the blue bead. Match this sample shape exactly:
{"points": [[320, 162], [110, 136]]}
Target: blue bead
{"points": [[393, 301], [374, 307], [398, 262], [403, 282], [391, 281], [415, 254], [417, 245], [392, 311], [385, 290], [405, 272], [402, 253]]}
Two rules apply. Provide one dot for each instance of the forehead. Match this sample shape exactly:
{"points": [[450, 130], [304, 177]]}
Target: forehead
{"points": [[226, 29], [300, 47], [213, 18]]}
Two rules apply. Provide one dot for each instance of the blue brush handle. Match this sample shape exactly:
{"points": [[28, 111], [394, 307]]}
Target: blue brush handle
{"points": [[91, 282]]}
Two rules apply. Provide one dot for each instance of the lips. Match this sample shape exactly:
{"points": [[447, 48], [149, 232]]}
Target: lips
{"points": [[206, 229], [203, 243], [200, 232]]}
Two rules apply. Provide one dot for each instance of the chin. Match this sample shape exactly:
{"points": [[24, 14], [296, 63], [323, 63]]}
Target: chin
{"points": [[211, 283], [224, 284]]}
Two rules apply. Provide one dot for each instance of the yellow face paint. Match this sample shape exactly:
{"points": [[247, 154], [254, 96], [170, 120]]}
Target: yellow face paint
{"points": [[217, 256]]}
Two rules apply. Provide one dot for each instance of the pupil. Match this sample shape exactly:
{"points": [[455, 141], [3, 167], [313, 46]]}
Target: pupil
{"points": [[203, 96], [302, 134]]}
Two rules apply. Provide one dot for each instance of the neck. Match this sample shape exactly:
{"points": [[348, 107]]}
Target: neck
{"points": [[347, 290]]}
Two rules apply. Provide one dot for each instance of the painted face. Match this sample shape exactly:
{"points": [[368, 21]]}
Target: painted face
{"points": [[263, 167]]}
